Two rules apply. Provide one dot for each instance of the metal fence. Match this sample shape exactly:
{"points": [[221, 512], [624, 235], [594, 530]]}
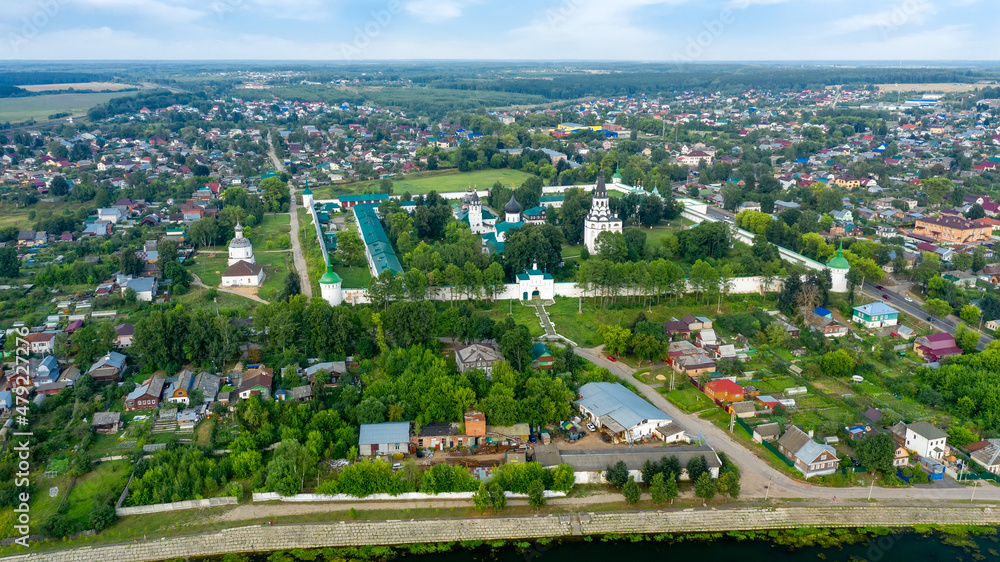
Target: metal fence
{"points": [[766, 445]]}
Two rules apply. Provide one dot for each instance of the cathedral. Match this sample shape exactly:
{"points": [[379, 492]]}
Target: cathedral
{"points": [[600, 219]]}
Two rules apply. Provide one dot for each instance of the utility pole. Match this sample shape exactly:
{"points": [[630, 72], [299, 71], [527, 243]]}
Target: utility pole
{"points": [[975, 484], [870, 488]]}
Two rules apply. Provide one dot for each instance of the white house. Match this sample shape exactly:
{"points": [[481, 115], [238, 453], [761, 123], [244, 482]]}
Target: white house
{"points": [[385, 438], [109, 214], [619, 412], [243, 274], [926, 440]]}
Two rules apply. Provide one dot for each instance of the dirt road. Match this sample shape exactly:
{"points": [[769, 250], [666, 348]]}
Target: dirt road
{"points": [[298, 258]]}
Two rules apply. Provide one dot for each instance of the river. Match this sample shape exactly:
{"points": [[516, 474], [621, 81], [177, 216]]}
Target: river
{"points": [[895, 548]]}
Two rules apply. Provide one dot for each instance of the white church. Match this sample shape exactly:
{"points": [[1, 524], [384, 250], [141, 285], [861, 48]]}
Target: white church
{"points": [[600, 219], [243, 270]]}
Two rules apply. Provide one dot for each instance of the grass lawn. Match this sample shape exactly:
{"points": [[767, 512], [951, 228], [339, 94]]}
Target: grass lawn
{"points": [[425, 182], [653, 235], [310, 249], [354, 277], [276, 266], [209, 267], [572, 251], [582, 328], [522, 315], [687, 398], [272, 233], [203, 433], [107, 479], [42, 506]]}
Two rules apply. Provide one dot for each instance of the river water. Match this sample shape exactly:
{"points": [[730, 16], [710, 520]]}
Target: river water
{"points": [[898, 548]]}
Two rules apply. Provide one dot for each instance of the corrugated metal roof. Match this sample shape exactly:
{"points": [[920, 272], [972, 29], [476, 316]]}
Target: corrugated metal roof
{"points": [[618, 403], [386, 432]]}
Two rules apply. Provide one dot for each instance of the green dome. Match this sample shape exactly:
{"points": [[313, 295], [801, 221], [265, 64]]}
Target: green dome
{"points": [[330, 277], [839, 261], [307, 191]]}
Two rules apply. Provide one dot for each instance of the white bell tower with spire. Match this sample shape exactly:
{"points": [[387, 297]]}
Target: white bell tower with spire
{"points": [[240, 248]]}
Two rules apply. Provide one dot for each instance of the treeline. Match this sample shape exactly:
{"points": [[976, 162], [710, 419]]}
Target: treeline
{"points": [[170, 337]]}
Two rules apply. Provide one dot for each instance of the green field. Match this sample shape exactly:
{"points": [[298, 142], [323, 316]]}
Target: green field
{"points": [[425, 182], [268, 234], [687, 397], [12, 215], [40, 107], [353, 277], [276, 266], [209, 267], [582, 328]]}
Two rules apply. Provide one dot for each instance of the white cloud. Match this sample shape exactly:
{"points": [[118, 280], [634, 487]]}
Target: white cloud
{"points": [[898, 15], [152, 9], [434, 11]]}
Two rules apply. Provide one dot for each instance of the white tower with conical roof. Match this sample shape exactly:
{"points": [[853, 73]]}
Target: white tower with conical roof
{"points": [[330, 286], [839, 267], [600, 219]]}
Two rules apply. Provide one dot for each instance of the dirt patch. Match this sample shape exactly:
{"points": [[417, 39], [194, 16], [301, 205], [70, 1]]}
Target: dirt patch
{"points": [[933, 87]]}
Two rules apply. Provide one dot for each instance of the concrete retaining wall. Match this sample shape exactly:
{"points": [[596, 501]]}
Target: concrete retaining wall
{"points": [[417, 496], [260, 538], [175, 506]]}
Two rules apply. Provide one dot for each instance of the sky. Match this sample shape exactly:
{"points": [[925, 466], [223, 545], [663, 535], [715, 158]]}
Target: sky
{"points": [[645, 30]]}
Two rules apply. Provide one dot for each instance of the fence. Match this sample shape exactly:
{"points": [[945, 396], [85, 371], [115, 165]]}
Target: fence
{"points": [[766, 445], [161, 507]]}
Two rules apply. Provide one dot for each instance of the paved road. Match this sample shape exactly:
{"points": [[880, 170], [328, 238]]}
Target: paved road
{"points": [[897, 299], [298, 258], [757, 475]]}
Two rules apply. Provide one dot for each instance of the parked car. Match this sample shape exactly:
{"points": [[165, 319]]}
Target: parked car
{"points": [[612, 358], [591, 427]]}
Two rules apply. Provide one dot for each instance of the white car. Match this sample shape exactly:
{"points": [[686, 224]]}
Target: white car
{"points": [[907, 299], [591, 427]]}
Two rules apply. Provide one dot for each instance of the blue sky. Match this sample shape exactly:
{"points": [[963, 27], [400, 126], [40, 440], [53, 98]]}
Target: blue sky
{"points": [[660, 30]]}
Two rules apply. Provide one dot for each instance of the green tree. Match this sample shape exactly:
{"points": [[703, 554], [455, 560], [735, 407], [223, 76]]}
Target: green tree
{"points": [[612, 246], [498, 499], [937, 188], [658, 488], [350, 248], [966, 338], [937, 307], [631, 491], [275, 195], [536, 494], [291, 287], [616, 474], [481, 497], [10, 265], [616, 338], [705, 487], [837, 363], [729, 484], [876, 453], [969, 313]]}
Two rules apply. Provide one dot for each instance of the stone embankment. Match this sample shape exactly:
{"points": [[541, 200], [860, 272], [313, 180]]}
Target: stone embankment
{"points": [[260, 538]]}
